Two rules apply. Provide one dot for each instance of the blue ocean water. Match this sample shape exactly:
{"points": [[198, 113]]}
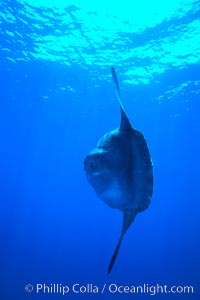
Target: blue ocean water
{"points": [[57, 100]]}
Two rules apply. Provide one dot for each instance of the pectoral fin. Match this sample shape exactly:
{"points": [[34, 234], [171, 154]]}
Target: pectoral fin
{"points": [[128, 217]]}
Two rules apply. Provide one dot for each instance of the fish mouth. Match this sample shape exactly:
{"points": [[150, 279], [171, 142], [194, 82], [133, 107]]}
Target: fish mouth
{"points": [[97, 182]]}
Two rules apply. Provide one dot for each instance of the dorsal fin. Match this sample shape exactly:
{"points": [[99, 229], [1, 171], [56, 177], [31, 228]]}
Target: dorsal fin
{"points": [[128, 217], [125, 123]]}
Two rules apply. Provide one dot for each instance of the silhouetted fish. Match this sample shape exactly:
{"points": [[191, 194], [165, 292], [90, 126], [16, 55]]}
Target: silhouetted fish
{"points": [[120, 171]]}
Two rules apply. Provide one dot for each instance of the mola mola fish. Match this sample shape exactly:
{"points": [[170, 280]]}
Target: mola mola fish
{"points": [[120, 170]]}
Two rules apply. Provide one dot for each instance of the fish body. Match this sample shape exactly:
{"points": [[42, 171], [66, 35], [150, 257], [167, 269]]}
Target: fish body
{"points": [[120, 170]]}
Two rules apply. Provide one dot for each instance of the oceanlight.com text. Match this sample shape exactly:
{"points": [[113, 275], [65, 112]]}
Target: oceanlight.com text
{"points": [[111, 288]]}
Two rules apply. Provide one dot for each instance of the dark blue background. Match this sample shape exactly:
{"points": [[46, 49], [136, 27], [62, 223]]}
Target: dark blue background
{"points": [[53, 227]]}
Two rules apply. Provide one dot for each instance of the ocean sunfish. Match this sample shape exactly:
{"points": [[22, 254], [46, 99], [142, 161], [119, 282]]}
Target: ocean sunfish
{"points": [[120, 170]]}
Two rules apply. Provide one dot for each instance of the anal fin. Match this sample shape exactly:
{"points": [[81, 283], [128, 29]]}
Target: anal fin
{"points": [[128, 217]]}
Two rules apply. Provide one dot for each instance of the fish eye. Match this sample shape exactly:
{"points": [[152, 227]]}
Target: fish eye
{"points": [[92, 166]]}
